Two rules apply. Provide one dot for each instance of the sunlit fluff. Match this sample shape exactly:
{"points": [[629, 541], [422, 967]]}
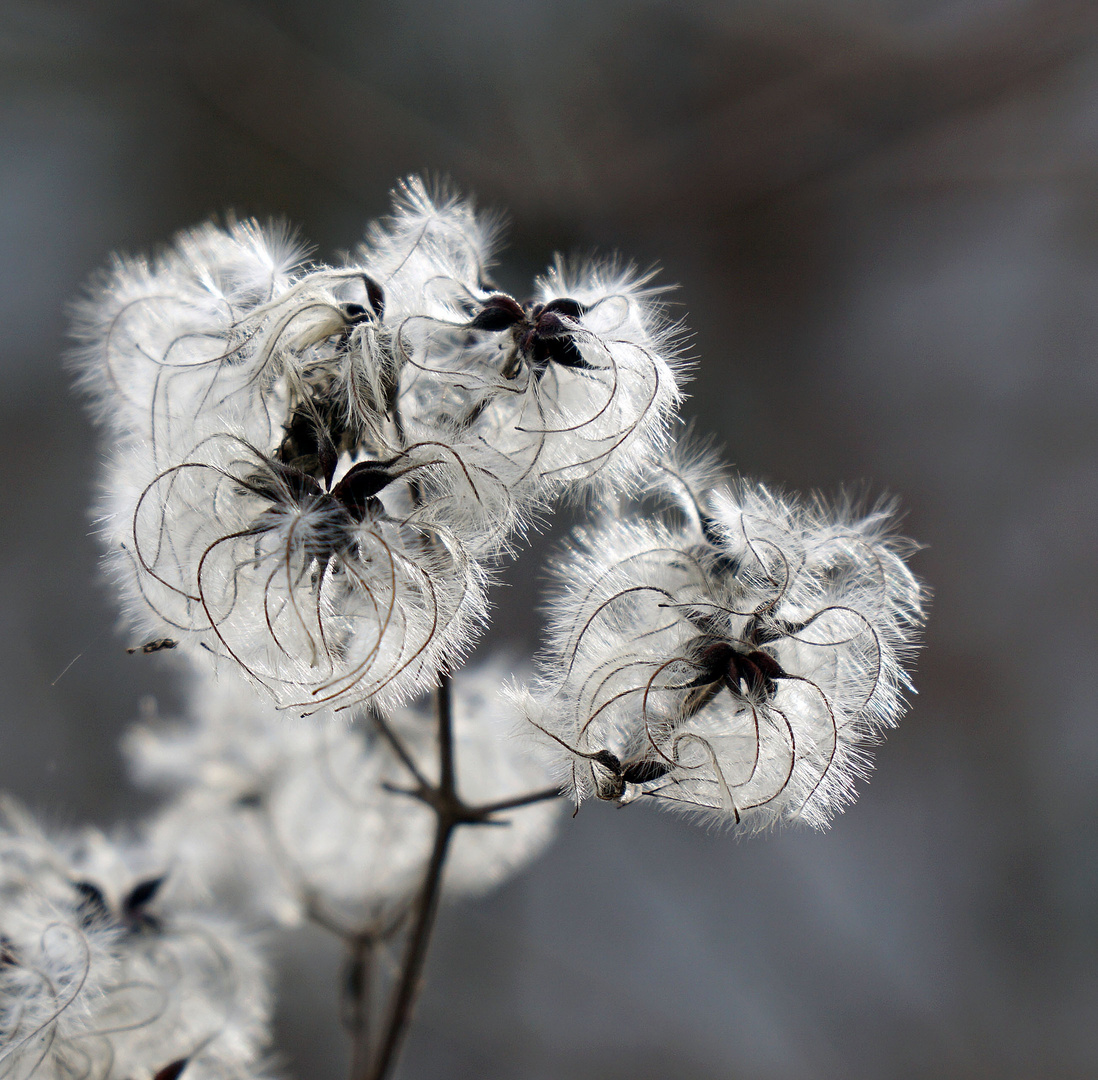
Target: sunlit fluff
{"points": [[608, 415], [313, 467], [738, 661], [103, 977], [289, 818], [324, 593], [575, 387], [432, 253], [167, 340]]}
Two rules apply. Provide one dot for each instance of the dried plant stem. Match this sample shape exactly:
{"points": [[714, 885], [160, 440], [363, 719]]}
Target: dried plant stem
{"points": [[519, 801], [408, 986], [449, 812], [358, 1000]]}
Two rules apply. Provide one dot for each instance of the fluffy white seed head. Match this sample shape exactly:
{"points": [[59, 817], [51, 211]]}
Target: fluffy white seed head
{"points": [[738, 660], [607, 417], [164, 342], [104, 975], [323, 595], [577, 388], [53, 969]]}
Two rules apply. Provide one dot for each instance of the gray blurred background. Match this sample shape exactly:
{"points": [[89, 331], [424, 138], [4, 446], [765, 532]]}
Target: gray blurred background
{"points": [[883, 216]]}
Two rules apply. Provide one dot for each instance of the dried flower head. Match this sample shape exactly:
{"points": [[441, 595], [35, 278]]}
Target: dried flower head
{"points": [[324, 591], [103, 976], [576, 387], [738, 661]]}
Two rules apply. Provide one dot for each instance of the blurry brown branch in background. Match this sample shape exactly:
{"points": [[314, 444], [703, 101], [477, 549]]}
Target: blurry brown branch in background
{"points": [[296, 100], [778, 99]]}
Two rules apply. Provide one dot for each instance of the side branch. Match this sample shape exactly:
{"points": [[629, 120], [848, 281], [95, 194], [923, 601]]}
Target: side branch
{"points": [[544, 795]]}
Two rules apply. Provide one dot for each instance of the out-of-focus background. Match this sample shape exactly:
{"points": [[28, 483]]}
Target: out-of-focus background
{"points": [[883, 218]]}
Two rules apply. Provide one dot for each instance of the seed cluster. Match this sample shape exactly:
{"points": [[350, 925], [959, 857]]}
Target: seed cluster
{"points": [[316, 467], [736, 653]]}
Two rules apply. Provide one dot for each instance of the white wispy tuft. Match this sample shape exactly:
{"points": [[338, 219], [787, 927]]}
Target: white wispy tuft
{"points": [[736, 659], [105, 975], [323, 595], [314, 468]]}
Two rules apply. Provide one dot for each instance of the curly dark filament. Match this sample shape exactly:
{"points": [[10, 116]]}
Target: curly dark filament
{"points": [[62, 1004], [574, 648], [619, 566]]}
